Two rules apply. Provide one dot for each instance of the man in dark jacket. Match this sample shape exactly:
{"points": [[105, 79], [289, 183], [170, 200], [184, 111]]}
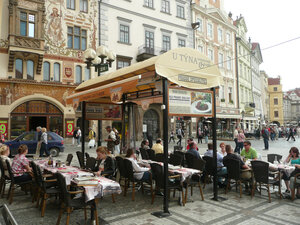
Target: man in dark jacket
{"points": [[266, 135]]}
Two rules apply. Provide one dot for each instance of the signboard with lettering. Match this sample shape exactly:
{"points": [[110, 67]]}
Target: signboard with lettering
{"points": [[183, 102], [3, 128], [102, 111], [69, 127]]}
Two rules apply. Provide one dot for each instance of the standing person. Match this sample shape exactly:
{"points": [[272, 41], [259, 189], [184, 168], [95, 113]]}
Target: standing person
{"points": [[117, 141], [180, 134], [265, 135], [92, 136], [74, 140], [44, 143], [291, 134], [235, 138], [206, 134], [110, 140], [241, 139], [78, 136], [200, 135], [172, 137], [39, 143], [276, 132], [298, 132]]}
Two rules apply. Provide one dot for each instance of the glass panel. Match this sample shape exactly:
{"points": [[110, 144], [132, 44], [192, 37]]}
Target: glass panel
{"points": [[70, 30], [18, 126], [31, 18], [30, 70], [46, 69], [87, 74], [72, 4], [70, 41], [78, 75], [76, 31], [56, 124], [83, 43], [76, 43], [19, 68], [83, 33], [23, 28], [31, 30], [23, 16], [56, 72]]}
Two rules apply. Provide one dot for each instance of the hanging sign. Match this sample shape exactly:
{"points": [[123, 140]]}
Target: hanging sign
{"points": [[3, 128], [184, 102], [102, 111], [69, 127]]}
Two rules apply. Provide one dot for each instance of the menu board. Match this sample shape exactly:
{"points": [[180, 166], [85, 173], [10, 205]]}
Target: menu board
{"points": [[190, 103], [101, 111], [3, 128], [70, 127]]}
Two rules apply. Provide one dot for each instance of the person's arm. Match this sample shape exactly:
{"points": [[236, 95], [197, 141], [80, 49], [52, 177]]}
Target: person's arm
{"points": [[254, 154], [137, 168], [25, 164]]}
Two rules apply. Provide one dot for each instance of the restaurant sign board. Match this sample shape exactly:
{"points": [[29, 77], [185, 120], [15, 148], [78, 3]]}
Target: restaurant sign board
{"points": [[102, 111]]}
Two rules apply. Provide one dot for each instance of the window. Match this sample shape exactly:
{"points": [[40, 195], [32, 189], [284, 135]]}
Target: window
{"points": [[181, 43], [19, 69], [77, 38], [222, 93], [210, 54], [87, 74], [78, 75], [200, 28], [83, 5], [230, 94], [221, 60], [30, 69], [149, 42], [166, 43], [124, 34], [276, 114], [200, 48], [180, 11], [165, 6], [275, 101], [220, 35], [123, 62], [228, 38], [209, 30], [229, 63], [71, 4], [46, 74], [148, 3], [56, 71], [275, 89], [27, 24]]}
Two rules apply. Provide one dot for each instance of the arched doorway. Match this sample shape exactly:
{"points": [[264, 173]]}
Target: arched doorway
{"points": [[31, 114], [151, 119]]}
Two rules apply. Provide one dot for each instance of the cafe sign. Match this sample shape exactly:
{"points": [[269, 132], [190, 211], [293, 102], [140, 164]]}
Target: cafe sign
{"points": [[101, 111], [3, 128]]}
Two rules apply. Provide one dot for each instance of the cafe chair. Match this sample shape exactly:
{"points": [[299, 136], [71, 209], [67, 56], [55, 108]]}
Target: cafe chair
{"points": [[181, 154], [69, 205], [271, 158], [80, 157], [87, 155], [144, 154], [189, 158], [14, 184], [122, 171], [4, 179], [175, 159], [69, 159], [159, 157], [296, 185], [151, 154], [174, 182], [90, 164], [261, 176]]}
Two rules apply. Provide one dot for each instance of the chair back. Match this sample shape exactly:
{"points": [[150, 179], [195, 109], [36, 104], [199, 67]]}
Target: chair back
{"points": [[175, 159], [151, 154], [7, 216], [159, 157], [189, 159], [80, 157], [90, 163], [121, 166], [35, 173], [128, 169], [183, 156], [271, 158], [260, 171], [209, 165], [69, 159], [233, 169], [10, 173], [176, 147], [2, 169], [198, 164], [144, 154], [157, 174], [40, 178], [87, 155], [65, 195]]}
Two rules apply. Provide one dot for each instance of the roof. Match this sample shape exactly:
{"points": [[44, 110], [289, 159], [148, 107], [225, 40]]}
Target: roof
{"points": [[254, 44], [296, 91], [273, 81]]}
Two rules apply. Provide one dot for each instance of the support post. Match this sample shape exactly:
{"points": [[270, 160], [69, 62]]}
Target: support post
{"points": [[133, 126], [83, 111], [123, 123], [214, 135], [99, 132]]}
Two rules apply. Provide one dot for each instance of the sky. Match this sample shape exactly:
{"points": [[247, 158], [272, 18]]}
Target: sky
{"points": [[270, 22]]}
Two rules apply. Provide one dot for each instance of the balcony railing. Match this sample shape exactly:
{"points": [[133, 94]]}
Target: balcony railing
{"points": [[146, 52], [26, 42]]}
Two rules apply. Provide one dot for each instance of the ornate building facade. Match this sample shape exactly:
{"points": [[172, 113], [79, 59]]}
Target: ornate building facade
{"points": [[276, 100]]}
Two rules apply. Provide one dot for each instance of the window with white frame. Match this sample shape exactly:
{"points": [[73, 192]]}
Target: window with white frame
{"points": [[46, 71], [27, 24], [148, 3], [83, 5], [200, 48], [229, 63], [200, 27], [87, 73], [210, 54], [166, 43], [230, 98], [123, 62], [180, 11], [222, 93], [30, 70], [221, 60], [165, 6], [210, 30], [71, 4], [181, 43], [124, 33], [78, 74], [228, 38], [56, 72], [220, 35]]}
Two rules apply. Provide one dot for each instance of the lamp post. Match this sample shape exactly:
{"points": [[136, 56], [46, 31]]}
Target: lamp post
{"points": [[243, 115], [97, 60]]}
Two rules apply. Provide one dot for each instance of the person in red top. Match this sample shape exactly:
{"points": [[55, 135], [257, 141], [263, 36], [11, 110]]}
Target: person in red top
{"points": [[20, 165], [190, 140]]}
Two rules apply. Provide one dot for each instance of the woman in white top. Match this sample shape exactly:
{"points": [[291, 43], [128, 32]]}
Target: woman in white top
{"points": [[140, 173], [4, 153], [223, 150], [44, 143], [105, 165]]}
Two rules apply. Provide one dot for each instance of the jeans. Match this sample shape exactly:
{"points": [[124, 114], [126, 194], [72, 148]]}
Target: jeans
{"points": [[43, 149], [240, 146], [221, 173], [266, 142], [25, 177], [179, 141], [146, 176], [78, 140], [206, 139]]}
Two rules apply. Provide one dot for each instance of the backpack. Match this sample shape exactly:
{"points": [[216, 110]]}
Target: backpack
{"points": [[117, 141], [94, 134]]}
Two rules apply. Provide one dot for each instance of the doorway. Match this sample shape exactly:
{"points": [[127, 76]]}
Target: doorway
{"points": [[35, 121], [151, 120]]}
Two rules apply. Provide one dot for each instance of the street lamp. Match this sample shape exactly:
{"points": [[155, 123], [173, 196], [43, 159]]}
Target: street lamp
{"points": [[97, 60]]}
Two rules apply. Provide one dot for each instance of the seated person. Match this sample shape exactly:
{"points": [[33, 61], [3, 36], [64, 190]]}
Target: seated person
{"points": [[245, 173], [140, 173], [4, 153], [20, 165], [192, 150], [145, 144], [248, 152], [105, 165], [188, 144], [158, 148], [294, 159], [223, 150]]}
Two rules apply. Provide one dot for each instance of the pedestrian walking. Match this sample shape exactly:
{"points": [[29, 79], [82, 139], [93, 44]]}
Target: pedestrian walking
{"points": [[291, 134], [235, 138], [74, 139], [200, 135], [172, 137], [39, 143], [180, 134], [92, 136], [117, 141], [44, 143], [240, 140], [206, 134], [78, 136], [111, 139], [266, 135]]}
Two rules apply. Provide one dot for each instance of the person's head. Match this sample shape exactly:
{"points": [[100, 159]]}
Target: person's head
{"points": [[210, 146], [130, 153], [144, 142], [295, 152], [190, 140], [4, 150], [158, 141], [222, 145], [90, 128], [108, 129], [240, 131], [23, 149], [44, 129], [228, 149], [39, 129], [247, 145], [101, 152]]}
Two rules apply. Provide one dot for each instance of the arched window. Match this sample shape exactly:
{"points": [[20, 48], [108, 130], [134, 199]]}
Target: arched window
{"points": [[78, 78], [19, 68], [56, 72], [46, 68], [87, 74], [30, 70]]}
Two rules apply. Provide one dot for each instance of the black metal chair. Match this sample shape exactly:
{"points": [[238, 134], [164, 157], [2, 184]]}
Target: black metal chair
{"points": [[181, 154], [122, 171], [80, 157], [3, 179], [159, 157], [7, 216], [209, 170], [87, 155], [296, 178], [261, 175], [271, 158], [70, 204], [189, 159], [176, 147], [151, 154], [90, 163], [144, 154], [175, 159], [69, 159]]}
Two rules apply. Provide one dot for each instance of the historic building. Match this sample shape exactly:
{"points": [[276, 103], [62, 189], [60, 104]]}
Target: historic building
{"points": [[276, 101], [264, 97], [294, 96], [41, 61], [287, 109], [215, 38]]}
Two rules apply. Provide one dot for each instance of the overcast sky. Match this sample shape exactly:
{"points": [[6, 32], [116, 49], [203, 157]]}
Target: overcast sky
{"points": [[270, 22]]}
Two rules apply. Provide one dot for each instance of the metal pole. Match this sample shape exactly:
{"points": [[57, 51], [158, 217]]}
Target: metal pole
{"points": [[83, 128], [133, 126], [123, 122], [214, 133]]}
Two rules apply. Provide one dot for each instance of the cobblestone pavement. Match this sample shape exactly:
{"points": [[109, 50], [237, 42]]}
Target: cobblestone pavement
{"points": [[234, 210]]}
